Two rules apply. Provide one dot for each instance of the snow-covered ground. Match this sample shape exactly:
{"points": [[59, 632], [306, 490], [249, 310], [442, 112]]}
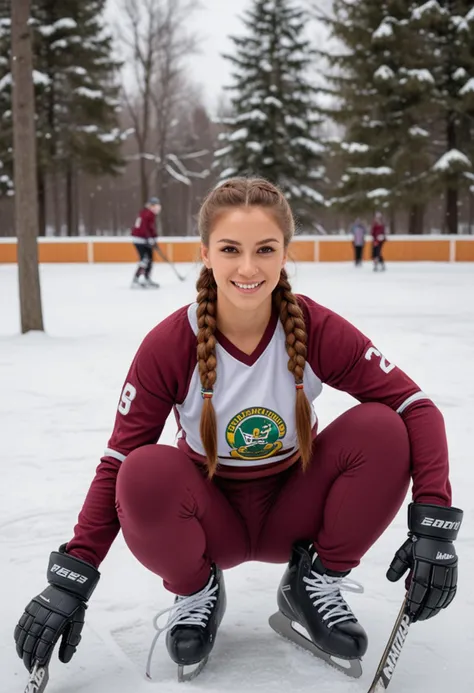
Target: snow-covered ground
{"points": [[59, 392]]}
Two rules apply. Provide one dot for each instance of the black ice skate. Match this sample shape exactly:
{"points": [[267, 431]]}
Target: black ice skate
{"points": [[314, 615], [192, 627]]}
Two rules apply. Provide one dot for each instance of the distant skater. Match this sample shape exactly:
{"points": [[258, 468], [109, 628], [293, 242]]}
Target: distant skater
{"points": [[358, 231], [378, 239], [144, 239]]}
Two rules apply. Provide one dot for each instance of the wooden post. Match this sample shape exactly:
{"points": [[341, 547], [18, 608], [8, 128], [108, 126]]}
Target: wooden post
{"points": [[24, 143]]}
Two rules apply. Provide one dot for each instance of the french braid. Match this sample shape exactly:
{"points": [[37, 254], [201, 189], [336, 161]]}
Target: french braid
{"points": [[206, 355], [292, 319]]}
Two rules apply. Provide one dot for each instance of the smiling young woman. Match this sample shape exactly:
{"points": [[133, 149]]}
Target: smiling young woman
{"points": [[251, 478]]}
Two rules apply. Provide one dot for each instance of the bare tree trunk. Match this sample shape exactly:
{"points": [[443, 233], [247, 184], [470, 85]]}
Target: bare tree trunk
{"points": [[24, 142], [41, 203], [392, 220], [71, 202], [56, 204], [451, 190], [416, 218]]}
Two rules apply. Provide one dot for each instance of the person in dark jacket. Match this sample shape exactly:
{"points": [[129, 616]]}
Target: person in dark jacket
{"points": [[144, 239], [379, 237]]}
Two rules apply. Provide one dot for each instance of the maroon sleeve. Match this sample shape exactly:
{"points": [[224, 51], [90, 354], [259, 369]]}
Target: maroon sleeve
{"points": [[155, 381], [150, 224], [345, 359]]}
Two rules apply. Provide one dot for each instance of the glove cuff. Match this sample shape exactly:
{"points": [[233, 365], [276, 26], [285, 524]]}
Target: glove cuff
{"points": [[72, 574], [436, 521]]}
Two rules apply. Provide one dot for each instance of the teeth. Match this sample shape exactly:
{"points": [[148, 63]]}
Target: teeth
{"points": [[247, 286]]}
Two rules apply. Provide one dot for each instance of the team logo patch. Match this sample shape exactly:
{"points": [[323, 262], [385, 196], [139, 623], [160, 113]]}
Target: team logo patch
{"points": [[255, 434]]}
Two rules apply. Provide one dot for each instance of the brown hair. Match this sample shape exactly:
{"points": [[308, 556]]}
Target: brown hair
{"points": [[249, 192]]}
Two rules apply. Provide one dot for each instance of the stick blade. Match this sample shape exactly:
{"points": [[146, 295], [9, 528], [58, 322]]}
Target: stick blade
{"points": [[39, 677]]}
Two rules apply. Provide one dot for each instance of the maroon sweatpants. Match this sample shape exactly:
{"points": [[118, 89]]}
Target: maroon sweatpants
{"points": [[177, 522]]}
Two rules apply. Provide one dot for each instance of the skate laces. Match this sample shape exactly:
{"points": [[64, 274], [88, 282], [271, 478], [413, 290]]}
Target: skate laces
{"points": [[186, 611], [325, 592]]}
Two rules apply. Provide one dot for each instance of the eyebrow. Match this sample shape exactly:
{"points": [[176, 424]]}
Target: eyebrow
{"points": [[267, 240]]}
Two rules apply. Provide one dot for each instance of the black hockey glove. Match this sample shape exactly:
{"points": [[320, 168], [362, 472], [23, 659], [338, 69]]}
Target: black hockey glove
{"points": [[430, 556], [58, 611]]}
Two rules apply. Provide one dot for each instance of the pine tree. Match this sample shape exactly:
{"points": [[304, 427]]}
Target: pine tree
{"points": [[383, 102], [445, 48], [76, 96], [405, 99], [274, 129]]}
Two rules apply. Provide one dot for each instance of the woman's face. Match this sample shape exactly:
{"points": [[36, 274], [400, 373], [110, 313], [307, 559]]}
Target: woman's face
{"points": [[246, 254]]}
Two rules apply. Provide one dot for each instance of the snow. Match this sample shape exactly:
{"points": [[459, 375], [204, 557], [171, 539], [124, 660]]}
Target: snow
{"points": [[41, 78], [59, 395], [421, 75], [62, 24], [89, 93], [314, 147], [430, 6], [240, 134], [5, 81], [416, 131], [453, 157], [371, 171], [377, 193], [468, 88], [385, 30], [384, 72], [354, 147]]}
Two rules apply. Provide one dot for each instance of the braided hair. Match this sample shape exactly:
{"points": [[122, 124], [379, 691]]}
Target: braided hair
{"points": [[249, 192]]}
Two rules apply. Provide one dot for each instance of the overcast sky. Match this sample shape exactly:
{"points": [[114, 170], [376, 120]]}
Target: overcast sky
{"points": [[213, 23]]}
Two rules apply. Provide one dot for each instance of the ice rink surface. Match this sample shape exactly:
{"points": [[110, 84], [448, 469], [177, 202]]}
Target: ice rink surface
{"points": [[59, 392]]}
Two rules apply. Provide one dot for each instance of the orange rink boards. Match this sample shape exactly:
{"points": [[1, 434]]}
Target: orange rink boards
{"points": [[91, 249]]}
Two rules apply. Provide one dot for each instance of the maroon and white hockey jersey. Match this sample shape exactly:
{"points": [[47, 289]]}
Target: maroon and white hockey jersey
{"points": [[254, 399], [144, 229]]}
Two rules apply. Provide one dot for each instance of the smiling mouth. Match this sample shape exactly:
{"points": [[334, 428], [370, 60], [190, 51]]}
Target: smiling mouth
{"points": [[247, 287]]}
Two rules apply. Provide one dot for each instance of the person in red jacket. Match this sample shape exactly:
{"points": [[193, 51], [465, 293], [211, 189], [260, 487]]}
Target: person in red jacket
{"points": [[378, 239], [144, 239]]}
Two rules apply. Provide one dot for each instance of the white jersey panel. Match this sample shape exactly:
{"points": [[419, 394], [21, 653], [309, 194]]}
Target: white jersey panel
{"points": [[255, 405]]}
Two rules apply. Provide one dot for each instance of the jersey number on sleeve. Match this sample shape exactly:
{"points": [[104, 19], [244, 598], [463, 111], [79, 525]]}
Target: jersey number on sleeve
{"points": [[384, 364], [128, 395]]}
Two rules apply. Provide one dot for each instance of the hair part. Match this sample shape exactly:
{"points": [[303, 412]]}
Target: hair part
{"points": [[235, 193], [246, 192]]}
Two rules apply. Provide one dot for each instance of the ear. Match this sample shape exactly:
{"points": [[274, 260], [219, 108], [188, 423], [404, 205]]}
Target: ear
{"points": [[205, 256], [285, 257]]}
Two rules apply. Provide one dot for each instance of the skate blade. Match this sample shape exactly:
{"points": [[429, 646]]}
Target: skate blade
{"points": [[188, 673], [284, 627]]}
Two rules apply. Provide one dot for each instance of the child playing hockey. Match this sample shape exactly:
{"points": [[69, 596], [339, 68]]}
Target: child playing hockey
{"points": [[251, 477]]}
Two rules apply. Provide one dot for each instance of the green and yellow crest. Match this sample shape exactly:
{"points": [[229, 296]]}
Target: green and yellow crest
{"points": [[255, 434]]}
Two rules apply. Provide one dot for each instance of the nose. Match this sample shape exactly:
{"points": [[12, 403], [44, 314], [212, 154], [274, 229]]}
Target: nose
{"points": [[247, 266]]}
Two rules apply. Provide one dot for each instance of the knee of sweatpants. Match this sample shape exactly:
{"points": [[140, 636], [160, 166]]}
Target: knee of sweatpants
{"points": [[148, 479]]}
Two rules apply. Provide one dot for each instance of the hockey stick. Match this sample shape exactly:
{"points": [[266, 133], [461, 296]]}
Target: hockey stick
{"points": [[39, 677], [392, 652], [163, 256]]}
